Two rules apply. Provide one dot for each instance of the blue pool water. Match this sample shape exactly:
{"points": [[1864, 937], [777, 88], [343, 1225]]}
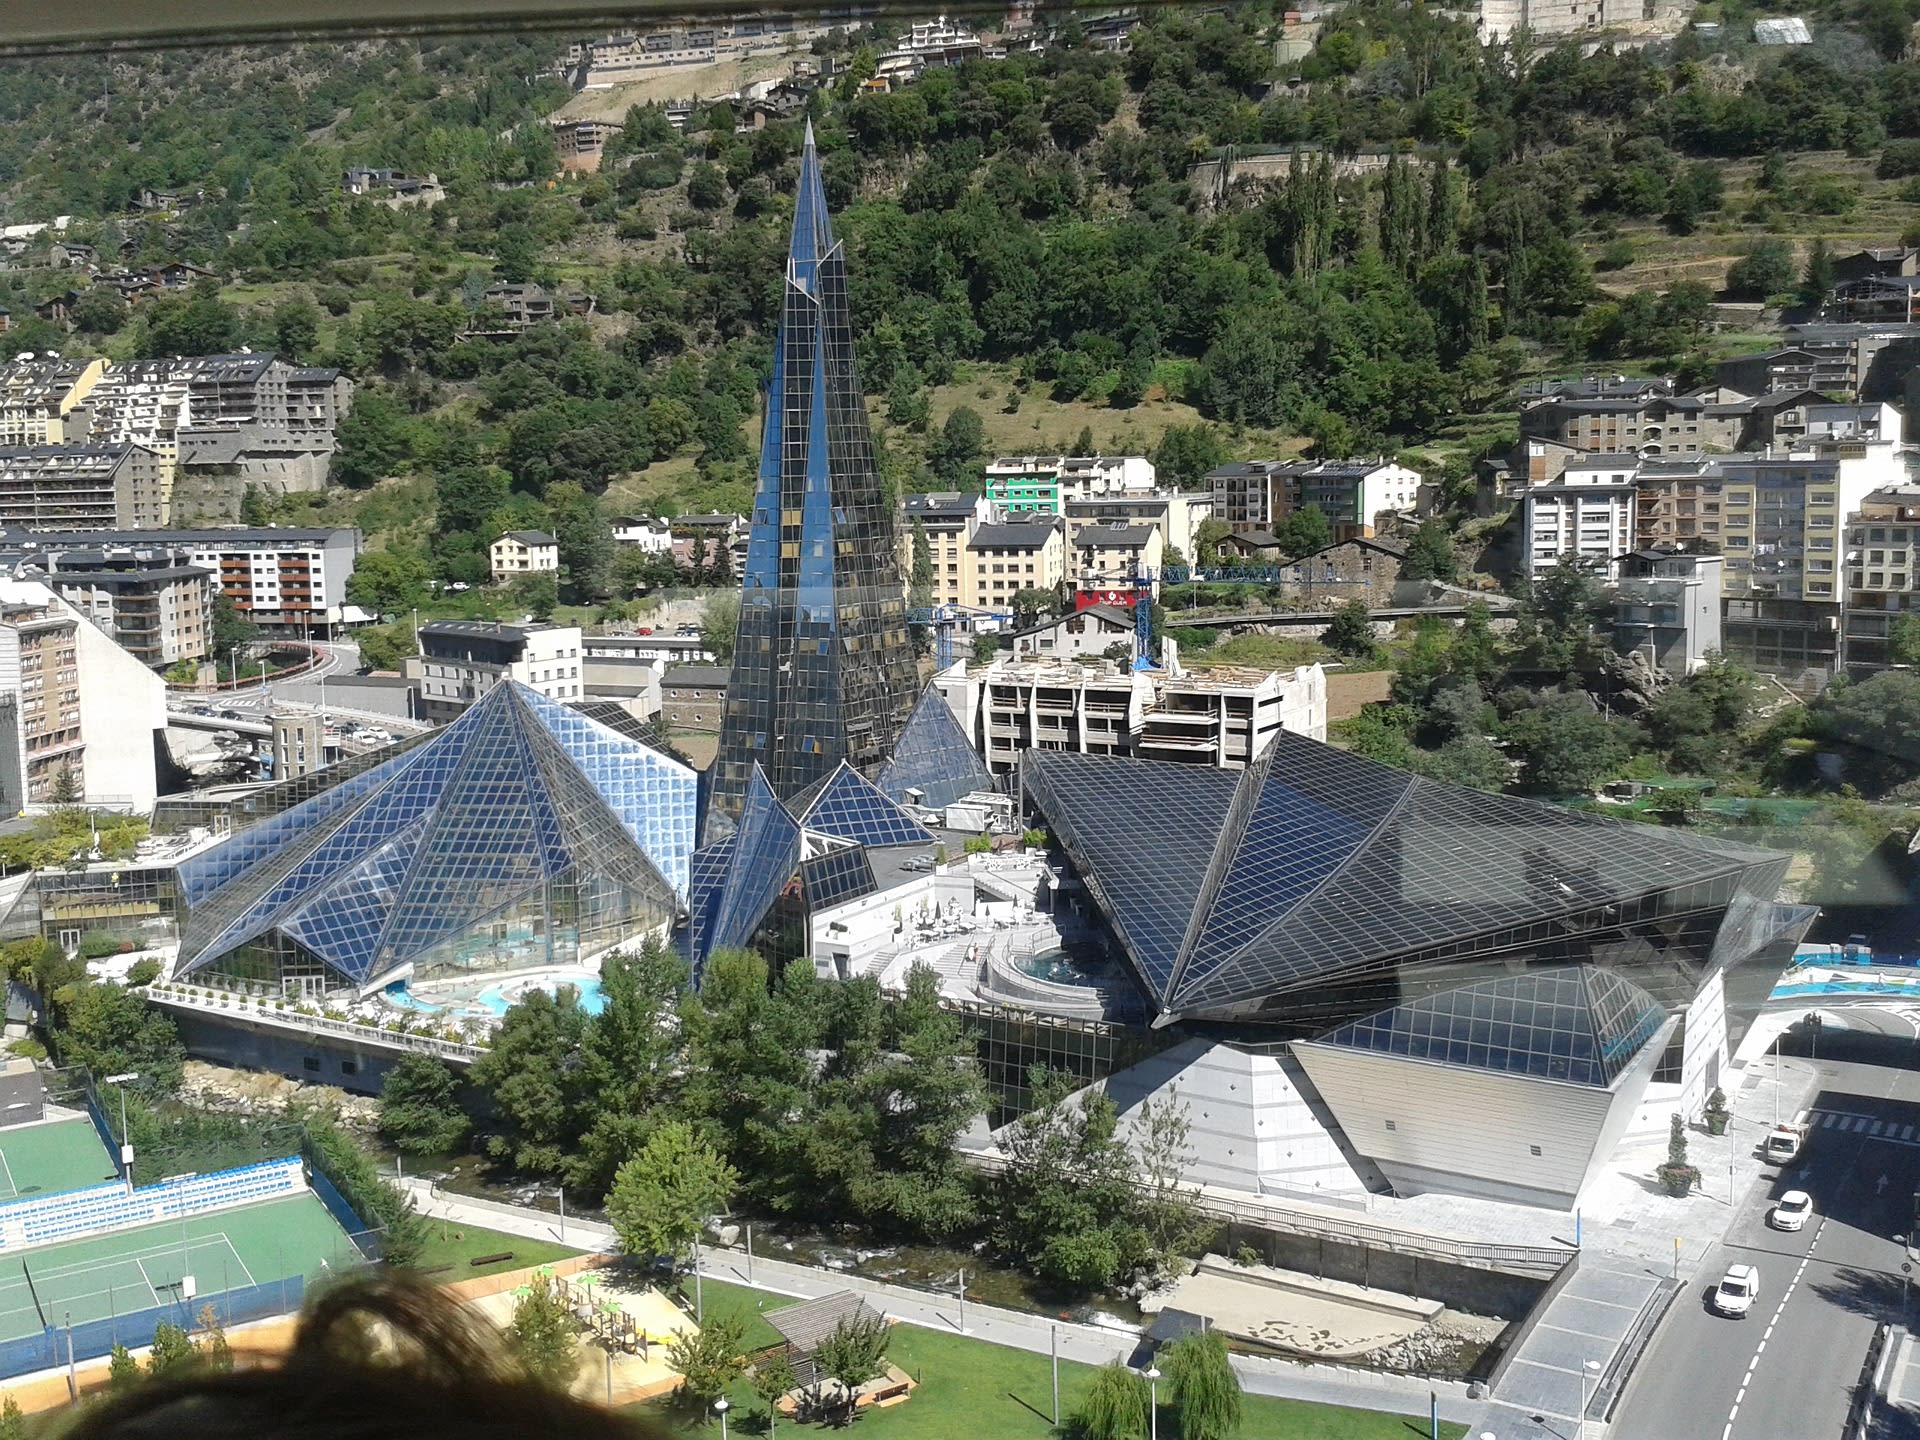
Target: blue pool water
{"points": [[1054, 965], [496, 998]]}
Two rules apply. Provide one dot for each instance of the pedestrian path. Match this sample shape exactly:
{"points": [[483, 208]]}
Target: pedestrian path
{"points": [[1087, 1344]]}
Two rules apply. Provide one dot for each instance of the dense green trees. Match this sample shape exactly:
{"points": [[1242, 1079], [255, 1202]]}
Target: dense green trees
{"points": [[420, 1107]]}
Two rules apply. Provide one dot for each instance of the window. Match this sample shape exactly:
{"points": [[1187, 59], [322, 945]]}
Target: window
{"points": [[1533, 1149], [310, 1063], [349, 1067]]}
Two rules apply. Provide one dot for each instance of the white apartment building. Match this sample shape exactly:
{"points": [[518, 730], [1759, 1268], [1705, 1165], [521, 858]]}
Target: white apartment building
{"points": [[461, 660], [1043, 484], [1176, 514], [1586, 514], [649, 534], [524, 552], [72, 702], [1221, 716], [1107, 557], [1355, 495]]}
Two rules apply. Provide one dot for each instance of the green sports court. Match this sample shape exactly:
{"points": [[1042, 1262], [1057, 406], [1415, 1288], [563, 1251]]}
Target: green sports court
{"points": [[53, 1156], [126, 1271]]}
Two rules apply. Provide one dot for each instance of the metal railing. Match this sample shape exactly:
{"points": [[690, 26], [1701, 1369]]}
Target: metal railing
{"points": [[249, 1007]]}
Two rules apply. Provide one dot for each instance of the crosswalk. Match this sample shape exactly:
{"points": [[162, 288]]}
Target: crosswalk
{"points": [[1866, 1126]]}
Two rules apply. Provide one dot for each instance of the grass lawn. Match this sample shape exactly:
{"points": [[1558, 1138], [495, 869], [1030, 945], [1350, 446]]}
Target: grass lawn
{"points": [[970, 1390], [453, 1245]]}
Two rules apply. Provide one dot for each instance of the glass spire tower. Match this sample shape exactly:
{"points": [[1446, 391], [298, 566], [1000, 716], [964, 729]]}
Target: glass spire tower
{"points": [[823, 669]]}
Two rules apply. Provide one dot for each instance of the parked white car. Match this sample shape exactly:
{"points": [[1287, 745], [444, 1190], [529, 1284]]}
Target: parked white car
{"points": [[1791, 1210], [1734, 1295]]}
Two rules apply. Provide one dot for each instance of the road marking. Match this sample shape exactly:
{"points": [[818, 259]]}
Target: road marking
{"points": [[1584, 1334], [1778, 1311]]}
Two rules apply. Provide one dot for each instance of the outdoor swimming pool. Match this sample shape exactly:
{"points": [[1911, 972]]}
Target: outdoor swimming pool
{"points": [[461, 1000], [1057, 966]]}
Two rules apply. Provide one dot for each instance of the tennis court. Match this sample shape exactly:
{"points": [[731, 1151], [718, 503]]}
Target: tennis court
{"points": [[48, 1158], [131, 1270]]}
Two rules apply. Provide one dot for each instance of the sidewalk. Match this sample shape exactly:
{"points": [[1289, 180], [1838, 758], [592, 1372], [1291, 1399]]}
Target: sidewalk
{"points": [[1088, 1344]]}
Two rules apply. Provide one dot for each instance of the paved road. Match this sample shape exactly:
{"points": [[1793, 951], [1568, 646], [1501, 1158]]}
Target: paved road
{"points": [[1786, 1372], [1089, 1344]]}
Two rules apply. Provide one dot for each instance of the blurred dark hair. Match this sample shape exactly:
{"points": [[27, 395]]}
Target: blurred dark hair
{"points": [[374, 1358]]}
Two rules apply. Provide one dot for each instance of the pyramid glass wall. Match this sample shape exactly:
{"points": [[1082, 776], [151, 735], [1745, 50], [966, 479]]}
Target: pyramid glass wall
{"points": [[522, 835], [823, 669]]}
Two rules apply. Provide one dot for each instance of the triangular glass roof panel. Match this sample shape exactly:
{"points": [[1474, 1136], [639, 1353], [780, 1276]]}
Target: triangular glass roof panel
{"points": [[934, 757], [1294, 835], [1140, 834], [849, 806], [343, 924], [709, 868], [1452, 866], [652, 794], [766, 851]]}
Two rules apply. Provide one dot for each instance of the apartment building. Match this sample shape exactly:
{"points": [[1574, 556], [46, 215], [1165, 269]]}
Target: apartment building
{"points": [[1226, 715], [1666, 609], [1882, 574], [1587, 515], [154, 601], [286, 578], [1222, 716], [1355, 495], [1176, 514], [1781, 535], [1091, 707], [1042, 484], [80, 487], [38, 398], [1650, 425], [299, 742], [583, 143], [1004, 557], [78, 715], [524, 552], [1108, 557], [947, 518], [461, 660]]}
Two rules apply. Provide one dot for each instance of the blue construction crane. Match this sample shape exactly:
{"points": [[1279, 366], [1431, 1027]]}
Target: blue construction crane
{"points": [[1140, 581]]}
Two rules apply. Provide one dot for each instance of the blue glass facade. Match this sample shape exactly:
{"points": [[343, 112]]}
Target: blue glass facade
{"points": [[823, 669], [522, 834]]}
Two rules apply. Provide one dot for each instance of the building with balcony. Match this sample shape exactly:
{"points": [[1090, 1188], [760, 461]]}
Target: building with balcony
{"points": [[1043, 484], [1176, 514], [524, 552], [81, 487], [1254, 496], [1222, 716], [1882, 560], [1586, 515], [152, 599], [461, 661], [1666, 609], [1653, 425], [79, 716], [1108, 557], [39, 395]]}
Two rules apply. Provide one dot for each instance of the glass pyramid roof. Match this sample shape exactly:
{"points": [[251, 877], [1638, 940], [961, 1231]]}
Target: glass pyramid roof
{"points": [[765, 853], [847, 805], [1314, 864], [933, 756], [1579, 1024], [515, 794]]}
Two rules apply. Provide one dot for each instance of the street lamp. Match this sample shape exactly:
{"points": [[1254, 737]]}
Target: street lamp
{"points": [[1153, 1402], [720, 1408], [1589, 1374], [121, 1082]]}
